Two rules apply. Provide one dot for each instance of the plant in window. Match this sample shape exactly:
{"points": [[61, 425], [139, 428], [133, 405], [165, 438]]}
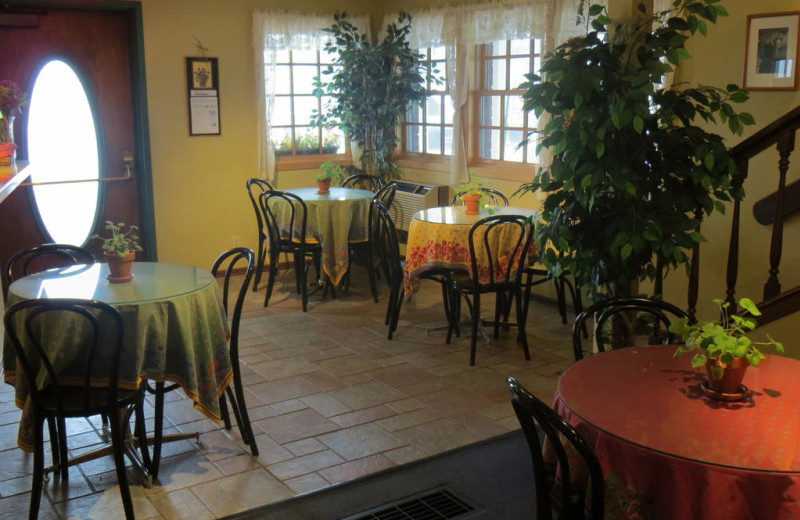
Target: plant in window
{"points": [[370, 87], [632, 173]]}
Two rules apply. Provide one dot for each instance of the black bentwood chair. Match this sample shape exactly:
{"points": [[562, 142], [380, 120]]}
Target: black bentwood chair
{"points": [[255, 187], [286, 217], [95, 347], [495, 197], [388, 245], [231, 262], [41, 258], [625, 319], [555, 489], [498, 249], [363, 181]]}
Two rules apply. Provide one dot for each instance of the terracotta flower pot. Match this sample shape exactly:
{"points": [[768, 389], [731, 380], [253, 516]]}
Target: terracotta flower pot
{"points": [[120, 267], [731, 381], [473, 204], [324, 186]]}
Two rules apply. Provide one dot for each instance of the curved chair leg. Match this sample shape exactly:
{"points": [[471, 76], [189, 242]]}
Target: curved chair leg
{"points": [[117, 446], [475, 313], [273, 271], [262, 256], [38, 471]]}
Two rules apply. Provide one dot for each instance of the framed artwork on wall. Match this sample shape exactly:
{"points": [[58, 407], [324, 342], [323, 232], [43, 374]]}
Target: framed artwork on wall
{"points": [[202, 81], [770, 60]]}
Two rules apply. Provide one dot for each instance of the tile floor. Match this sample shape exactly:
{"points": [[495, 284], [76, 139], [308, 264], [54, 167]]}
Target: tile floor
{"points": [[331, 399]]}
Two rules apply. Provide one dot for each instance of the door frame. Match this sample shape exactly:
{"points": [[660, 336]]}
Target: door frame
{"points": [[141, 132]]}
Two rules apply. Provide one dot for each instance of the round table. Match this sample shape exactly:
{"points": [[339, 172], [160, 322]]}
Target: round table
{"points": [[438, 238], [673, 453], [175, 326], [335, 219]]}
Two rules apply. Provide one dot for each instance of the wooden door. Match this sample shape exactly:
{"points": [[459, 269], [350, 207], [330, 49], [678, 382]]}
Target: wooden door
{"points": [[101, 43]]}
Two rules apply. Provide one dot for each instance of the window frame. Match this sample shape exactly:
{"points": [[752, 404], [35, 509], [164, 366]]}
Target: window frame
{"points": [[295, 161]]}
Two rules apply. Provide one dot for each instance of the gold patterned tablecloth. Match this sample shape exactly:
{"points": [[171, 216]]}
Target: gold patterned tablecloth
{"points": [[438, 238], [336, 219]]}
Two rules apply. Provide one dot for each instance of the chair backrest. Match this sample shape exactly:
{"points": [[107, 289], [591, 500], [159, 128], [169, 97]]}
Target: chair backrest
{"points": [[285, 216], [232, 262], [619, 321], [495, 197], [386, 194], [58, 368], [498, 249], [255, 187], [569, 497], [43, 257], [363, 181], [387, 243]]}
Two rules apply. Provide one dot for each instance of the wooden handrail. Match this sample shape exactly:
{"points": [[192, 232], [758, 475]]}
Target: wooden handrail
{"points": [[780, 134]]}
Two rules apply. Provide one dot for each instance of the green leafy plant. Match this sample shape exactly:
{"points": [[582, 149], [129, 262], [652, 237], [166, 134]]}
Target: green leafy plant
{"points": [[632, 174], [370, 88], [330, 171], [120, 243], [722, 340], [471, 186]]}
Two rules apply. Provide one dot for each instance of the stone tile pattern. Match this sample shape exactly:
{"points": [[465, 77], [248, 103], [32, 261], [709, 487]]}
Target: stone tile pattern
{"points": [[331, 400]]}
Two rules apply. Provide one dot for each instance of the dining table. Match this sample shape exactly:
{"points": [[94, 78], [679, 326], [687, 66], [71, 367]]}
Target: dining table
{"points": [[336, 219], [175, 326], [438, 239], [668, 451]]}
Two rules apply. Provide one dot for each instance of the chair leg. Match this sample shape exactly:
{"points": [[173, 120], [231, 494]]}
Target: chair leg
{"points": [[38, 471], [303, 280], [522, 317], [242, 416], [61, 432], [370, 264], [117, 445], [273, 271], [262, 253], [476, 318], [158, 427]]}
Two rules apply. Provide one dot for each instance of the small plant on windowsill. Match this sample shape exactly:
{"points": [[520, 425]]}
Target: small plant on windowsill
{"points": [[120, 250]]}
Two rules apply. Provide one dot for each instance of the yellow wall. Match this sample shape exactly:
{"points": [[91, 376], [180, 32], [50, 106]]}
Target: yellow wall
{"points": [[199, 182]]}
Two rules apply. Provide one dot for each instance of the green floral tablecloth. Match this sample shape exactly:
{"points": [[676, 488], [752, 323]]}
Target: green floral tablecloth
{"points": [[181, 338]]}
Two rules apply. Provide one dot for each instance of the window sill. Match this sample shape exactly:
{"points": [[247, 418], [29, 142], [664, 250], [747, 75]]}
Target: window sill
{"points": [[310, 162]]}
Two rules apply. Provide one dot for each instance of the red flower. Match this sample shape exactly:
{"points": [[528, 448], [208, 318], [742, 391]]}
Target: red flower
{"points": [[11, 97]]}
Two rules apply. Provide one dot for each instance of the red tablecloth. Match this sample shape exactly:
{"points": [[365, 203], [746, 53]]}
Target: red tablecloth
{"points": [[668, 452]]}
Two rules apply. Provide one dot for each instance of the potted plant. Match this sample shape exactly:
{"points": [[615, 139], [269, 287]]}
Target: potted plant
{"points": [[329, 172], [471, 193], [370, 87], [722, 346], [120, 250], [634, 167]]}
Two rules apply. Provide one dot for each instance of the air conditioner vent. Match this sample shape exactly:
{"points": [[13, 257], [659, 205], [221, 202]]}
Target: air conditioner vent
{"points": [[412, 197]]}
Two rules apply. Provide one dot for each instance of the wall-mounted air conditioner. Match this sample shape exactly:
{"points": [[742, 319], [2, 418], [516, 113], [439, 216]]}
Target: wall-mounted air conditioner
{"points": [[411, 197]]}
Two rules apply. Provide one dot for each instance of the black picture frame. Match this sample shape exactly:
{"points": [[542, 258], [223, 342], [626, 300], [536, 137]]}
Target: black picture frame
{"points": [[202, 86]]}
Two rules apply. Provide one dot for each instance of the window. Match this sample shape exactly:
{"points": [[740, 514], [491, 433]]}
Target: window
{"points": [[428, 128], [502, 124], [291, 132], [62, 146]]}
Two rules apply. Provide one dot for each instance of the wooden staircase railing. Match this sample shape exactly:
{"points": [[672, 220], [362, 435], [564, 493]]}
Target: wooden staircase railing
{"points": [[776, 303]]}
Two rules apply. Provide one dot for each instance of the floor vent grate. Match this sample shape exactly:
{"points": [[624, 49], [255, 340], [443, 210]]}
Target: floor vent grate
{"points": [[439, 504]]}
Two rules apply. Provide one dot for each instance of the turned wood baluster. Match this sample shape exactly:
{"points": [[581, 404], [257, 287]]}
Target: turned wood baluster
{"points": [[785, 147], [732, 272]]}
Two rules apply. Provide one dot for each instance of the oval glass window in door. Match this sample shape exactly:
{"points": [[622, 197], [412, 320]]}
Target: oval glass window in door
{"points": [[62, 148]]}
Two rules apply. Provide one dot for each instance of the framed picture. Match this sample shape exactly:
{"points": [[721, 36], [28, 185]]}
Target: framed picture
{"points": [[202, 81], [770, 60]]}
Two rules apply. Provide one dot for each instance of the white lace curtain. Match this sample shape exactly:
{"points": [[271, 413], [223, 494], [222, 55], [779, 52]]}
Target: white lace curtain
{"points": [[275, 31], [460, 28]]}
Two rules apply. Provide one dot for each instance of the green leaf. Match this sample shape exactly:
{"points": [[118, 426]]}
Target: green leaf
{"points": [[626, 251], [638, 124]]}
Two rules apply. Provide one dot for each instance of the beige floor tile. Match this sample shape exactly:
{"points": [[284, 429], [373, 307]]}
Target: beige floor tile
{"points": [[181, 505], [296, 425], [360, 441], [305, 464], [357, 468], [241, 492]]}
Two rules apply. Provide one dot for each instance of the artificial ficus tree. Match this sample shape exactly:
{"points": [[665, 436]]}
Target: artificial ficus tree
{"points": [[370, 87], [634, 169]]}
